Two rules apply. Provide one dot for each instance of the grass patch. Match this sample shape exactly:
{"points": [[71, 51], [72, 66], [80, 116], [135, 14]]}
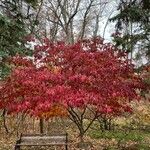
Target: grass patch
{"points": [[137, 139], [133, 135]]}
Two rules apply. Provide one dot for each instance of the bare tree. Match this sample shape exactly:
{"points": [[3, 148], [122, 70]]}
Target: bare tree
{"points": [[71, 20]]}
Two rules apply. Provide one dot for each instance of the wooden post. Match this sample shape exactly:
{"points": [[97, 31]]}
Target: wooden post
{"points": [[66, 141], [17, 147]]}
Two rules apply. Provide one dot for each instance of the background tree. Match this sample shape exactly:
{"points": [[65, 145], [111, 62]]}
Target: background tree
{"points": [[71, 20], [133, 24], [17, 20]]}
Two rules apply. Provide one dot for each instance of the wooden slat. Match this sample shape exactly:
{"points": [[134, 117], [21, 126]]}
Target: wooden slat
{"points": [[43, 140], [27, 144], [34, 142], [54, 134]]}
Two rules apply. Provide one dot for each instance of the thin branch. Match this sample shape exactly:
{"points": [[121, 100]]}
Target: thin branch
{"points": [[107, 23], [85, 17], [75, 120], [83, 113], [75, 12], [95, 117], [37, 15], [58, 16], [75, 113]]}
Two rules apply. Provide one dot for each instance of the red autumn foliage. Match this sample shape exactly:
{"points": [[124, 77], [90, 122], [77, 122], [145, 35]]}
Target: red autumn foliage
{"points": [[87, 73]]}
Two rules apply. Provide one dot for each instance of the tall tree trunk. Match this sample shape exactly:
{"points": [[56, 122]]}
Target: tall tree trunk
{"points": [[41, 125]]}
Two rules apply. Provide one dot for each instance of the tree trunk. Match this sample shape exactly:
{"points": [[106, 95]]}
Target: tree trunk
{"points": [[41, 125], [4, 121], [81, 136], [105, 124], [82, 144]]}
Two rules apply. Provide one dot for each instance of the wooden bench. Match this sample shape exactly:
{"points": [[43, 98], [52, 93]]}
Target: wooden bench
{"points": [[42, 140]]}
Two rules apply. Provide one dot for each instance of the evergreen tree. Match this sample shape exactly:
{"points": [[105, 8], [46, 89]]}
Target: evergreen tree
{"points": [[13, 30], [133, 27]]}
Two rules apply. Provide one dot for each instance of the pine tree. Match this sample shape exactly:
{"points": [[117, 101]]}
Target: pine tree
{"points": [[13, 31], [133, 23]]}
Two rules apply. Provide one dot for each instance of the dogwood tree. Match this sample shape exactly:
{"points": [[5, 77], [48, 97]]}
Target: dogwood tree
{"points": [[86, 76]]}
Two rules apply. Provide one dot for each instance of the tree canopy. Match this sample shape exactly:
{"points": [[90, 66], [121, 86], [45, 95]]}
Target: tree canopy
{"points": [[87, 73]]}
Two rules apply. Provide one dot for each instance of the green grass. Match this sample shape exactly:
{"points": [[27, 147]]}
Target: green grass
{"points": [[133, 135], [143, 147], [136, 136]]}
